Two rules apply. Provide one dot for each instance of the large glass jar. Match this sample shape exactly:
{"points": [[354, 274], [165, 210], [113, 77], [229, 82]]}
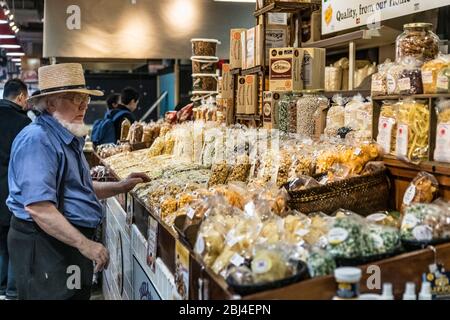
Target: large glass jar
{"points": [[286, 111], [417, 41]]}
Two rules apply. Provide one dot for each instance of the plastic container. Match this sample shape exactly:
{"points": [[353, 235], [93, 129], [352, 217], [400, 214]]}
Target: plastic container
{"points": [[417, 41], [347, 279], [387, 292], [425, 291], [201, 64], [410, 291], [204, 82], [204, 47]]}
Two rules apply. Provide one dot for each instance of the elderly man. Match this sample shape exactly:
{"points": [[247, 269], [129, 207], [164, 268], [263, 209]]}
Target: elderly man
{"points": [[52, 196]]}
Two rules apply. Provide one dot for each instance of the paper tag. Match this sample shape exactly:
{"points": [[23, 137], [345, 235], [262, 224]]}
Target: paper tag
{"points": [[357, 151], [377, 86], [442, 151], [402, 140], [277, 18], [323, 181], [391, 84], [422, 233], [237, 259], [377, 241], [427, 77], [152, 242], [385, 127], [409, 195], [190, 214], [376, 217], [442, 82], [337, 235], [404, 84], [302, 232], [261, 265], [409, 221], [200, 245], [249, 209]]}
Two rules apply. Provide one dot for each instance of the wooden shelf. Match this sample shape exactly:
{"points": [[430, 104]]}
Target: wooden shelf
{"points": [[415, 96], [363, 39], [346, 93], [236, 71], [248, 117], [429, 166], [254, 70], [282, 6]]}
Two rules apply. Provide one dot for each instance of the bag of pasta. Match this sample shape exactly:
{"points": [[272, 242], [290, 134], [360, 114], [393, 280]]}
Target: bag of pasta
{"points": [[413, 123], [442, 150], [423, 189], [387, 127]]}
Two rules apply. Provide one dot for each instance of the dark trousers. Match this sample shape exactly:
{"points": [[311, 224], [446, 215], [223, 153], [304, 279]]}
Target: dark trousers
{"points": [[7, 281], [45, 268]]}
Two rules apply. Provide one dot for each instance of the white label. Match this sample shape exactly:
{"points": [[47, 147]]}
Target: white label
{"points": [[427, 77], [422, 233], [377, 86], [385, 127], [337, 235], [409, 195], [322, 242], [404, 84], [277, 18], [261, 265], [409, 221], [200, 245], [237, 259], [249, 209], [302, 232], [323, 181], [442, 82], [402, 140], [376, 217], [357, 151], [442, 151], [391, 84], [377, 241], [190, 214]]}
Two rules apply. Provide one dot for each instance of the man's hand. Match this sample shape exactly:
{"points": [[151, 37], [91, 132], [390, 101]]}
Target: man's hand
{"points": [[132, 180], [96, 252]]}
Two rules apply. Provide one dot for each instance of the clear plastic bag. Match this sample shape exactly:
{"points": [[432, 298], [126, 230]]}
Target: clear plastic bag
{"points": [[442, 149], [422, 189], [219, 174], [320, 263], [430, 71], [335, 116], [410, 80], [387, 127], [393, 77], [379, 82], [345, 238]]}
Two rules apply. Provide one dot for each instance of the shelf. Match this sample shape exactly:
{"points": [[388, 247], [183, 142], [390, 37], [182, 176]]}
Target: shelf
{"points": [[415, 96], [363, 39], [346, 93], [254, 70], [248, 117], [286, 7], [236, 71], [429, 166]]}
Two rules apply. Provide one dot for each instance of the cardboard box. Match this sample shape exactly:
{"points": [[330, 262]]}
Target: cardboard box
{"points": [[285, 69], [244, 48], [276, 37], [271, 101], [227, 82], [313, 68], [236, 51], [254, 47], [279, 18], [240, 96], [251, 94]]}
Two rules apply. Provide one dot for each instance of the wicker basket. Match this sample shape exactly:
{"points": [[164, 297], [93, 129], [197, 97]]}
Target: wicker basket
{"points": [[364, 195]]}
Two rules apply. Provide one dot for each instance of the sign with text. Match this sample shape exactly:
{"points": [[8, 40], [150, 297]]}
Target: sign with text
{"points": [[338, 15]]}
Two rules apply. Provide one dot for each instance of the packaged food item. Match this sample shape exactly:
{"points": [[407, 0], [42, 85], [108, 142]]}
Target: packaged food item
{"points": [[383, 219], [286, 108], [358, 114], [203, 64], [204, 82], [285, 69], [425, 223], [417, 40], [168, 206], [387, 127], [430, 70], [335, 116], [136, 132], [442, 150], [303, 183], [270, 264], [296, 226], [345, 238], [210, 241], [347, 279], [381, 240], [392, 78], [333, 78], [320, 263], [219, 174], [410, 80], [422, 189], [413, 122], [318, 230], [204, 47], [379, 82], [443, 80], [157, 147], [285, 160], [307, 105], [124, 129], [240, 170]]}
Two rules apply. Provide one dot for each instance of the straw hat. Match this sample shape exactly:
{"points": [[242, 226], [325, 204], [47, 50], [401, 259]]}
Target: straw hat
{"points": [[64, 77]]}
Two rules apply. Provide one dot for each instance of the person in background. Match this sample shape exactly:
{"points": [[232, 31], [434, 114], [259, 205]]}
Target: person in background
{"points": [[55, 203], [113, 101], [32, 114], [13, 118], [129, 101]]}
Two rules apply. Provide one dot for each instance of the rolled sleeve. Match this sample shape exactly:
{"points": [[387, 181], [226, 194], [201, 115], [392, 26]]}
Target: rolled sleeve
{"points": [[33, 172]]}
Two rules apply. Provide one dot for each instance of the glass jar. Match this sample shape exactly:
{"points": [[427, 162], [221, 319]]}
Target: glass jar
{"points": [[285, 110], [417, 41]]}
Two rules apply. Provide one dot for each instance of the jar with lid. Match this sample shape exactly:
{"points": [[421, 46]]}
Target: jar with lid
{"points": [[417, 40], [286, 109]]}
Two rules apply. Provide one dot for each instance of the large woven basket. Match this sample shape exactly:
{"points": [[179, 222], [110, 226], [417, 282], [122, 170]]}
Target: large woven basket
{"points": [[363, 194]]}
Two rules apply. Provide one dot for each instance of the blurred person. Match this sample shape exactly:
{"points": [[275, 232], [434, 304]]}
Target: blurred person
{"points": [[32, 114], [13, 118], [55, 203], [129, 101], [113, 101]]}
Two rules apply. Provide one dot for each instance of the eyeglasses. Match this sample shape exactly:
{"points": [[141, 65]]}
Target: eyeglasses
{"points": [[78, 99]]}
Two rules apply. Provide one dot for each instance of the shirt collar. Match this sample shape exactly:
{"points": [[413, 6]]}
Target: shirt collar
{"points": [[12, 104], [65, 135]]}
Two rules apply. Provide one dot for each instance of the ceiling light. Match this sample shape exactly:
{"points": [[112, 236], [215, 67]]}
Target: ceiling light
{"points": [[17, 30], [9, 46], [16, 60], [15, 54], [11, 16], [11, 23], [7, 12], [3, 21], [14, 28], [7, 36]]}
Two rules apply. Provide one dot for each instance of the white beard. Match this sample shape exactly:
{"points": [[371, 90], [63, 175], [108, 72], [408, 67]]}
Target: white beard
{"points": [[77, 129]]}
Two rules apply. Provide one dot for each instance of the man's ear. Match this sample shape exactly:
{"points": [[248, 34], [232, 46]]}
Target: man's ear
{"points": [[52, 104]]}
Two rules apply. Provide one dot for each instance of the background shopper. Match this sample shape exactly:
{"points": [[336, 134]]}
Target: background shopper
{"points": [[129, 101]]}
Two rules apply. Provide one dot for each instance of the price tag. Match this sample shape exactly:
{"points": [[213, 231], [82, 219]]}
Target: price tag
{"points": [[404, 84], [377, 86], [337, 235], [423, 233], [427, 77], [237, 260], [409, 221], [376, 217], [385, 127], [357, 151], [302, 232], [261, 265], [200, 245], [391, 84], [409, 195], [442, 82], [442, 151], [152, 242], [402, 140], [190, 214]]}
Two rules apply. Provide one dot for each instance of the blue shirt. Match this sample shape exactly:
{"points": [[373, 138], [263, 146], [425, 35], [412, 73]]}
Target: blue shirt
{"points": [[42, 155]]}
